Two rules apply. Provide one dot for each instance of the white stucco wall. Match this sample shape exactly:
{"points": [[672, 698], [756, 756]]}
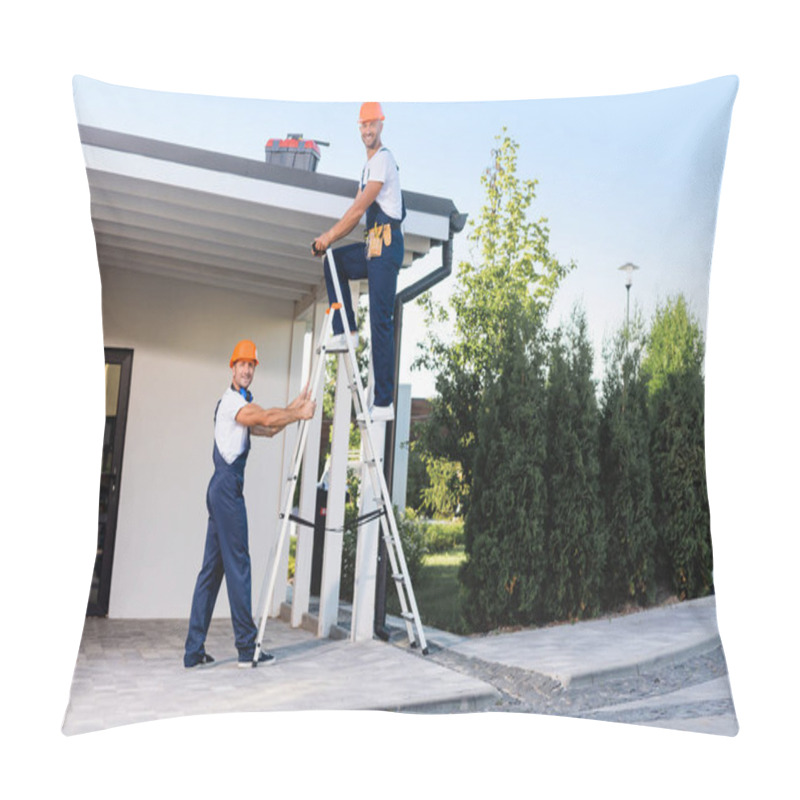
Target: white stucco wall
{"points": [[182, 335]]}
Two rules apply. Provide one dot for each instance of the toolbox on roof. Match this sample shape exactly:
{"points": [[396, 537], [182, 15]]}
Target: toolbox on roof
{"points": [[294, 151]]}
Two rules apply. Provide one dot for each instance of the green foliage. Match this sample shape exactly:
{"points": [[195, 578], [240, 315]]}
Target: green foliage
{"points": [[442, 495], [675, 344], [681, 496], [444, 536], [413, 530], [625, 473], [674, 369], [511, 275], [439, 594], [292, 556], [505, 573], [575, 530], [571, 506], [416, 477], [413, 533]]}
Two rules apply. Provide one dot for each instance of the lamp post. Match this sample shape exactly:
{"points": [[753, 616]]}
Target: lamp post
{"points": [[628, 270]]}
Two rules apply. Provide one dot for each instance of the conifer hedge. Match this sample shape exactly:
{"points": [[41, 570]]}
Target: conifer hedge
{"points": [[575, 529], [582, 504], [505, 572]]}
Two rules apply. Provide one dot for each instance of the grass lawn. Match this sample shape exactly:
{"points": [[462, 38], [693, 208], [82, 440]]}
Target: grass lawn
{"points": [[438, 592]]}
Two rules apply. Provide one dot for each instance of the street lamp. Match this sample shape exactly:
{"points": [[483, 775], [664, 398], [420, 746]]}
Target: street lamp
{"points": [[628, 270]]}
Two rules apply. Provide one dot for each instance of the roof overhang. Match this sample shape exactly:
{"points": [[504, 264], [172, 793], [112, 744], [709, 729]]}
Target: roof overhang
{"points": [[226, 221]]}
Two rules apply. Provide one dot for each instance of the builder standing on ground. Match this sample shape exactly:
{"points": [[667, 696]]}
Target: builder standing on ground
{"points": [[378, 260], [226, 550]]}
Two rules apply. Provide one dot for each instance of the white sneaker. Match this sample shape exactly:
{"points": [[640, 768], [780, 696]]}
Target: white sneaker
{"points": [[338, 343], [382, 413]]}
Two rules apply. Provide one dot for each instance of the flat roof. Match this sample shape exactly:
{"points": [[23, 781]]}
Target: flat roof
{"points": [[224, 220]]}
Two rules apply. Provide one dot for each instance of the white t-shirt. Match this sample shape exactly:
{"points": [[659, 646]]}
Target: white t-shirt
{"points": [[229, 435], [382, 167]]}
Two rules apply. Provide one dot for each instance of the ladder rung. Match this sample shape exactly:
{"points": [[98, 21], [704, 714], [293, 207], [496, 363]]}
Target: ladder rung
{"points": [[407, 615], [398, 577]]}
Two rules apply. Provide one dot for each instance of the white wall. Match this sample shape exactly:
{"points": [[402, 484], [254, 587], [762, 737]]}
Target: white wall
{"points": [[182, 336]]}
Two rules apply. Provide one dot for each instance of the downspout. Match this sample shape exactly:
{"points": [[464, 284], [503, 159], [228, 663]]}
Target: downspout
{"points": [[457, 222]]}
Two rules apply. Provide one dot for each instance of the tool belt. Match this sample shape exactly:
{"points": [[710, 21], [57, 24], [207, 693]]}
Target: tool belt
{"points": [[378, 236]]}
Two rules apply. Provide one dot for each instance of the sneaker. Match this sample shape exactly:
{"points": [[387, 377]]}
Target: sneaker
{"points": [[382, 413], [264, 660], [198, 661], [338, 344]]}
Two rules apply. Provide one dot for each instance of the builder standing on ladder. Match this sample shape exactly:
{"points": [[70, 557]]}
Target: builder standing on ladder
{"points": [[226, 549], [378, 260]]}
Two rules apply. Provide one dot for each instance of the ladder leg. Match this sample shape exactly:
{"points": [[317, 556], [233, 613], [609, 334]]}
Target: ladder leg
{"points": [[297, 459]]}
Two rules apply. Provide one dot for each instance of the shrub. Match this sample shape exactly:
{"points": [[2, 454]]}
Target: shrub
{"points": [[674, 369], [505, 572], [679, 481], [625, 475], [413, 535], [443, 536], [575, 531]]}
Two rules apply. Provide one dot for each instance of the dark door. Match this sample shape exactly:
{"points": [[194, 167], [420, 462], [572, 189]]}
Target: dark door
{"points": [[118, 382]]}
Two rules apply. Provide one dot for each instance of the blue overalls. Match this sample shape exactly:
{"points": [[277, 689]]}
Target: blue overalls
{"points": [[381, 272], [226, 553]]}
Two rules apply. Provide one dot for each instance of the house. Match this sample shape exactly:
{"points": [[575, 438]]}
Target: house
{"points": [[197, 250]]}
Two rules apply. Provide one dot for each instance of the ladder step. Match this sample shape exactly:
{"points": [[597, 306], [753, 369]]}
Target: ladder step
{"points": [[398, 577], [407, 615]]}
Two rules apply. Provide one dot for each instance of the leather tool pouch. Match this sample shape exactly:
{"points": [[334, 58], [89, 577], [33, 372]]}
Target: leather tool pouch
{"points": [[375, 237]]}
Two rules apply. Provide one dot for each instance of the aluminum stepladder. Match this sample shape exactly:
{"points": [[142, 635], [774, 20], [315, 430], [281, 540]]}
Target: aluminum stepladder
{"points": [[384, 509]]}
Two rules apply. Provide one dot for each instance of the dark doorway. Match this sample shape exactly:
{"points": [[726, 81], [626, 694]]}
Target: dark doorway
{"points": [[119, 363]]}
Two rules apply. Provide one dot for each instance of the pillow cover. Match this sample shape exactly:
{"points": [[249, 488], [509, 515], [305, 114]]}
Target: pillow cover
{"points": [[555, 406]]}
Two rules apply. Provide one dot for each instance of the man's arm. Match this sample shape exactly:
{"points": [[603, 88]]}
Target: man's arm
{"points": [[364, 199], [261, 430], [269, 421]]}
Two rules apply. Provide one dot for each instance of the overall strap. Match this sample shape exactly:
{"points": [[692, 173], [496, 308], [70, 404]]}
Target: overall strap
{"points": [[375, 214]]}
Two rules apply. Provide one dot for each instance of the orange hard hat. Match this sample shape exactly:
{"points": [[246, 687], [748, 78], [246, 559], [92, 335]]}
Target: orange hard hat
{"points": [[244, 351], [370, 111]]}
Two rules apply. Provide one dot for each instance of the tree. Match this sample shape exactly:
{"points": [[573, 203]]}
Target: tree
{"points": [[575, 529], [674, 345], [625, 472], [511, 273], [673, 369], [505, 572], [441, 494]]}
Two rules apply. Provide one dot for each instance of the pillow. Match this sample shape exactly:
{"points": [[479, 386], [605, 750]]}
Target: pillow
{"points": [[562, 249]]}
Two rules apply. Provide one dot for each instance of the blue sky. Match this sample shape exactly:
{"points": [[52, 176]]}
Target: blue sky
{"points": [[621, 178]]}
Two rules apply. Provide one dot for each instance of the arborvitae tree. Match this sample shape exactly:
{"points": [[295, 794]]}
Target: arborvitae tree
{"points": [[505, 572], [625, 473], [673, 368], [575, 527]]}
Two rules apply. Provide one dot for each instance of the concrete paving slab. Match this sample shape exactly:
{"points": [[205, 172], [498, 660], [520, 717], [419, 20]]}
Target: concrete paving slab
{"points": [[718, 689], [595, 650], [132, 671], [718, 726]]}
